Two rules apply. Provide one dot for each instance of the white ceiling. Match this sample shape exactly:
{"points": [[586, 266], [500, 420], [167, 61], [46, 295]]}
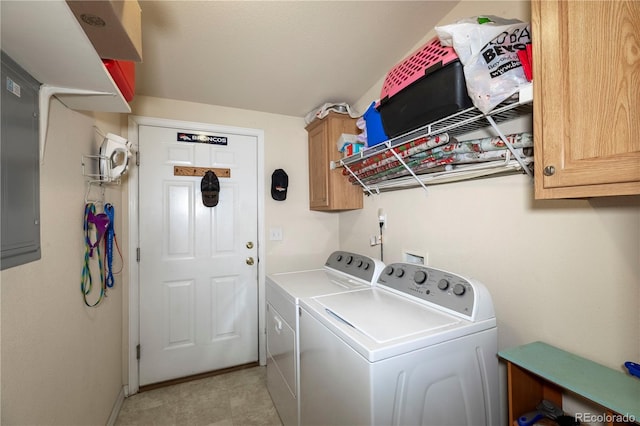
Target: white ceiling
{"points": [[283, 57]]}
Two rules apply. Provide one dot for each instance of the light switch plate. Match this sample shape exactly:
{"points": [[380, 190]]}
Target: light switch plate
{"points": [[275, 234]]}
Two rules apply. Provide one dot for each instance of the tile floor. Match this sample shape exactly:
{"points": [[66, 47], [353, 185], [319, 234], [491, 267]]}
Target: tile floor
{"points": [[238, 398]]}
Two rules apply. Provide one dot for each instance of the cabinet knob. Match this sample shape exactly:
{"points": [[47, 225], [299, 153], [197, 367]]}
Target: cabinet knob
{"points": [[549, 171]]}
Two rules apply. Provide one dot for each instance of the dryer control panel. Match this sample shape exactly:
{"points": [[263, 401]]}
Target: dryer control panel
{"points": [[358, 266], [435, 286]]}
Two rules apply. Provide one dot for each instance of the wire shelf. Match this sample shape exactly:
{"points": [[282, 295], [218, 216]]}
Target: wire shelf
{"points": [[460, 123]]}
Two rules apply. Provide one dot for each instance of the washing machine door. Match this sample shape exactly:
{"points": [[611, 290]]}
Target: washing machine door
{"points": [[380, 324]]}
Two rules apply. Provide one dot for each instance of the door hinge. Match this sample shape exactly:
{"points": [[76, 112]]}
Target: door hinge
{"points": [[138, 352], [137, 254], [137, 158]]}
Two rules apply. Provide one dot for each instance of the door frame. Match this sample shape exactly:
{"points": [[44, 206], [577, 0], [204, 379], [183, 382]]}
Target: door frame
{"points": [[133, 222]]}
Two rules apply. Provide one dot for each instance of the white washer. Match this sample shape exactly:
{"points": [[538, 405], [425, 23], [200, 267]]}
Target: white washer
{"points": [[418, 348], [342, 272]]}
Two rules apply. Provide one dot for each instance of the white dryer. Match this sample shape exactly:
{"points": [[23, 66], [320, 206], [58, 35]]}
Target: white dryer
{"points": [[418, 348], [343, 272]]}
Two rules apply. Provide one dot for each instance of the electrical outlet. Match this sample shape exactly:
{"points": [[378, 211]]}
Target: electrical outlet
{"points": [[275, 234]]}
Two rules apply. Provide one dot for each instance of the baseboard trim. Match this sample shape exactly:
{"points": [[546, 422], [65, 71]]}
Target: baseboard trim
{"points": [[115, 411]]}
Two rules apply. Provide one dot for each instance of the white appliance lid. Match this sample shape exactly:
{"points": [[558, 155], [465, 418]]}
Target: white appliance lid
{"points": [[383, 316], [314, 282]]}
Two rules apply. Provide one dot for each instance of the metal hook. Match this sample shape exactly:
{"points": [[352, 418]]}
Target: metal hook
{"points": [[88, 200]]}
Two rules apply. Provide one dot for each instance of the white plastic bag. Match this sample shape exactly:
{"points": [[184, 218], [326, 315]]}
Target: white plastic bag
{"points": [[488, 52], [325, 109]]}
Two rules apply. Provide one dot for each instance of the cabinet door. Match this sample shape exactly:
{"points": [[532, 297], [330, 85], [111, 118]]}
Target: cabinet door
{"points": [[329, 190], [318, 168], [586, 98]]}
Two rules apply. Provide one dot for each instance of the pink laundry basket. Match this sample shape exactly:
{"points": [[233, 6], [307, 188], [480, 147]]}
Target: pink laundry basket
{"points": [[427, 59]]}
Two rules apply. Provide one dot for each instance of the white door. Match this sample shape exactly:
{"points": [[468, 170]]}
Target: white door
{"points": [[198, 283]]}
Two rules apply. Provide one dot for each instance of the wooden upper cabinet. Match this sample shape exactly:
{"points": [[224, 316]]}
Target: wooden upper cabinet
{"points": [[586, 61], [329, 190]]}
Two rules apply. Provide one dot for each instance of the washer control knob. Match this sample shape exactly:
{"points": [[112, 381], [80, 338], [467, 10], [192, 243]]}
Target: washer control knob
{"points": [[420, 277], [339, 257], [349, 260], [458, 289], [359, 263], [389, 270], [443, 284], [400, 272], [365, 266]]}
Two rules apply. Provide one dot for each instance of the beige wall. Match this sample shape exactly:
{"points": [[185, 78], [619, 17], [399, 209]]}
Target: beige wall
{"points": [[61, 361], [308, 237], [565, 272]]}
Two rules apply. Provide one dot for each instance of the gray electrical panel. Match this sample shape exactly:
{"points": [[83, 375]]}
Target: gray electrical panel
{"points": [[20, 167]]}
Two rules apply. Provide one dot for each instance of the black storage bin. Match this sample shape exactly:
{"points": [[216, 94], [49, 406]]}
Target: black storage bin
{"points": [[438, 94]]}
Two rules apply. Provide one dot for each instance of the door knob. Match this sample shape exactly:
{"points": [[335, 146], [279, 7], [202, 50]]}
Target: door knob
{"points": [[249, 261], [250, 245]]}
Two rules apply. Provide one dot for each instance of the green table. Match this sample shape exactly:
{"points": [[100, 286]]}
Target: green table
{"points": [[539, 371]]}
